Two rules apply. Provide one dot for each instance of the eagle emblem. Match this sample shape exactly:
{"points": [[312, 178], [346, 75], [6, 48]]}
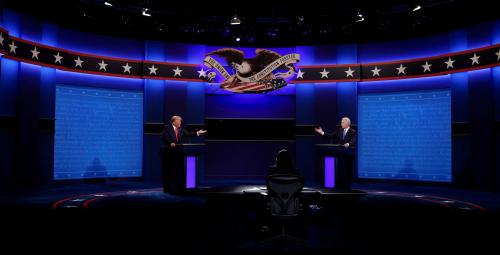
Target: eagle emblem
{"points": [[251, 75]]}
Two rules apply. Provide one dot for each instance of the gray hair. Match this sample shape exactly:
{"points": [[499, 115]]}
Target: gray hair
{"points": [[347, 119]]}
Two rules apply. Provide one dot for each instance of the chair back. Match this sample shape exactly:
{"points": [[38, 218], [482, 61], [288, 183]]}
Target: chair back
{"points": [[284, 191]]}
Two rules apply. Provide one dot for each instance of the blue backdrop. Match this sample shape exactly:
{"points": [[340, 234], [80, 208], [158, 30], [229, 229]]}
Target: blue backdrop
{"points": [[98, 133], [405, 135]]}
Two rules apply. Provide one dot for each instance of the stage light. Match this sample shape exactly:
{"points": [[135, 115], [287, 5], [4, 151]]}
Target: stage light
{"points": [[417, 7], [145, 12], [300, 20], [125, 19], [360, 17], [235, 20], [273, 32], [238, 39], [107, 3], [161, 27]]}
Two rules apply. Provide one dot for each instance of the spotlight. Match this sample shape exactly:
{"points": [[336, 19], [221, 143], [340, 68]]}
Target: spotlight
{"points": [[145, 12], [300, 20], [235, 20], [383, 25], [125, 19], [161, 27], [238, 39], [108, 3], [417, 7], [360, 17], [273, 32]]}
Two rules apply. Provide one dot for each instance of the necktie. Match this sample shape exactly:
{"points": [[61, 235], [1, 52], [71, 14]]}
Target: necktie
{"points": [[177, 134], [345, 132]]}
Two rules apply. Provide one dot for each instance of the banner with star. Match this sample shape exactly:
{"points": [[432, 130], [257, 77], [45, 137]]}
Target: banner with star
{"points": [[3, 35], [43, 55], [39, 54]]}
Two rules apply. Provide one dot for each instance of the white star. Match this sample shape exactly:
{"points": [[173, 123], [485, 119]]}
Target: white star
{"points": [[498, 54], [1, 39], [401, 69], [126, 68], [349, 72], [202, 73], [13, 48], [427, 67], [152, 69], [58, 58], [177, 71], [35, 53], [475, 59], [324, 74], [102, 65], [300, 74], [376, 71], [78, 62], [449, 63]]}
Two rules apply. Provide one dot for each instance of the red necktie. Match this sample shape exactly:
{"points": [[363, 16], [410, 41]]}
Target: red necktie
{"points": [[177, 134]]}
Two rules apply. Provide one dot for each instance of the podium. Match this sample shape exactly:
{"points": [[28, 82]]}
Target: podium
{"points": [[192, 153], [335, 162]]}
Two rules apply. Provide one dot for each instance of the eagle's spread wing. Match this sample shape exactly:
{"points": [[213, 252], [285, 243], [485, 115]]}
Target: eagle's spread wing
{"points": [[229, 54], [266, 57]]}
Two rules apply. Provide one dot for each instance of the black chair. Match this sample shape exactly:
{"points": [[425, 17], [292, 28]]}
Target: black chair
{"points": [[284, 191]]}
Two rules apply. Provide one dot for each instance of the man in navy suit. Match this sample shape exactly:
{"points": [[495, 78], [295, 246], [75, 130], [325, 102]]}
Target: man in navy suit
{"points": [[345, 136], [174, 173]]}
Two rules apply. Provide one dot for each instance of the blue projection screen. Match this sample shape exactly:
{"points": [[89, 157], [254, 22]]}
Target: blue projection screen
{"points": [[405, 136], [98, 133]]}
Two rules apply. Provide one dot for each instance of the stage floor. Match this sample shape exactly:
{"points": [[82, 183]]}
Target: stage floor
{"points": [[371, 217], [149, 198]]}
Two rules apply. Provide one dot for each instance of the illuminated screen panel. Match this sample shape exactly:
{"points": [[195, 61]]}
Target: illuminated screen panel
{"points": [[98, 133], [405, 135]]}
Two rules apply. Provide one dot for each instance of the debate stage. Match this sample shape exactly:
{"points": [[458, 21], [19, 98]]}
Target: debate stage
{"points": [[372, 217], [106, 104]]}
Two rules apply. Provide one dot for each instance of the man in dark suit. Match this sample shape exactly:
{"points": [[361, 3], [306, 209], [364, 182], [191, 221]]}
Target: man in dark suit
{"points": [[173, 170], [345, 136]]}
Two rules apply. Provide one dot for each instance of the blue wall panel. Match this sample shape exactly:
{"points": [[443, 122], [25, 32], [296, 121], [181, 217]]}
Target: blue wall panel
{"points": [[405, 135], [481, 116], [98, 133], [8, 86]]}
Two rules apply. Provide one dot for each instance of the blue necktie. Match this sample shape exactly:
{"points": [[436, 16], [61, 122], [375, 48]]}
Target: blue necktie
{"points": [[345, 132]]}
